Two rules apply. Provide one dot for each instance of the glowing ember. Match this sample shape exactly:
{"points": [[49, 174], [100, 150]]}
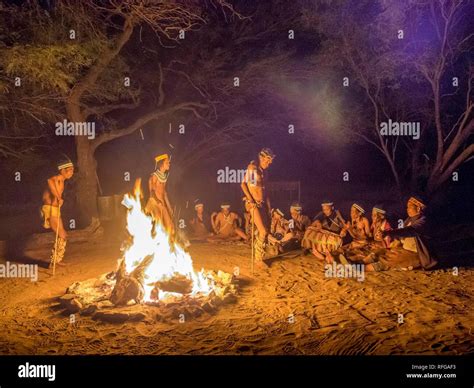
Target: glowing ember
{"points": [[169, 258]]}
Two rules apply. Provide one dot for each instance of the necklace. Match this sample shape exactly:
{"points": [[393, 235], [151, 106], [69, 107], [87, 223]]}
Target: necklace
{"points": [[162, 176]]}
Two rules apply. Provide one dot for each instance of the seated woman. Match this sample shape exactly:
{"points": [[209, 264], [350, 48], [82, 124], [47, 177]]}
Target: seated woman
{"points": [[326, 232], [226, 225], [199, 225]]}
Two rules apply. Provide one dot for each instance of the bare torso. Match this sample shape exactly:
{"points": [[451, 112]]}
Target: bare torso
{"points": [[52, 195], [226, 224], [256, 183], [360, 229], [157, 189]]}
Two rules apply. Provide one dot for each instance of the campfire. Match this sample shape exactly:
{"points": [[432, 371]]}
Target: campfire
{"points": [[154, 270]]}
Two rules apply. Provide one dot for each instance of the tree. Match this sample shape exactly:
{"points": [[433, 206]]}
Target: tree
{"points": [[453, 44], [75, 51], [389, 52]]}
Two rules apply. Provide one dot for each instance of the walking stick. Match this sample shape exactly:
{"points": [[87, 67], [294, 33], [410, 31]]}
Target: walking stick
{"points": [[56, 242], [253, 237]]}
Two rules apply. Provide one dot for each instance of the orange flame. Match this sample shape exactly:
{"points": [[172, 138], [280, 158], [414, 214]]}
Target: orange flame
{"points": [[169, 258]]}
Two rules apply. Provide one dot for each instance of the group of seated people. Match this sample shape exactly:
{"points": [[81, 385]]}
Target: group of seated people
{"points": [[329, 237]]}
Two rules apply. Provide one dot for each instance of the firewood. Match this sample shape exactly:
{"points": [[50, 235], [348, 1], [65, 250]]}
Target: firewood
{"points": [[179, 284]]}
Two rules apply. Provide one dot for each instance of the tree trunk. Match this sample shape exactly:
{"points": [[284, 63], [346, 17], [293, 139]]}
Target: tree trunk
{"points": [[87, 179]]}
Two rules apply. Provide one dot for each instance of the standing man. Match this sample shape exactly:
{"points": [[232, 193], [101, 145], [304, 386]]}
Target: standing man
{"points": [[50, 211], [253, 187], [158, 205]]}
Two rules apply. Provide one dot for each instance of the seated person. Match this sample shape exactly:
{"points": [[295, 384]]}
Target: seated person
{"points": [[326, 232], [380, 224], [298, 223], [413, 236], [358, 228], [279, 225], [225, 225], [361, 250], [199, 225], [279, 233]]}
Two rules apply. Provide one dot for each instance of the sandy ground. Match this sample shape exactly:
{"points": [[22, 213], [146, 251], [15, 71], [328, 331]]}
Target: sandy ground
{"points": [[290, 309]]}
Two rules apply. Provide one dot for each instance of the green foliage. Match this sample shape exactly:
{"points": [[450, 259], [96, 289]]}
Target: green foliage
{"points": [[52, 67]]}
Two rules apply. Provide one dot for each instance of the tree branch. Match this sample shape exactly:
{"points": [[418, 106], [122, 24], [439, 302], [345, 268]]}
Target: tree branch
{"points": [[108, 136]]}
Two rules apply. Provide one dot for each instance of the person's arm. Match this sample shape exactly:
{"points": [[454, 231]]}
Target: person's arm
{"points": [[151, 185], [318, 217], [349, 228], [273, 226], [269, 206], [213, 222], [387, 239], [54, 189], [373, 231], [409, 231], [239, 220], [366, 227], [340, 218]]}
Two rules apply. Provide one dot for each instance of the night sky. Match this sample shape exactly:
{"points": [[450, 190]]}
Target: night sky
{"points": [[304, 88]]}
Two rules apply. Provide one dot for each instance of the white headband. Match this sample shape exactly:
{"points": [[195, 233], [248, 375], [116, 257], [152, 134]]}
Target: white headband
{"points": [[65, 165], [358, 207], [378, 210]]}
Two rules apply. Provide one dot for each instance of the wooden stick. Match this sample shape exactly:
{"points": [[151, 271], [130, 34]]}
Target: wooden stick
{"points": [[253, 238], [56, 242]]}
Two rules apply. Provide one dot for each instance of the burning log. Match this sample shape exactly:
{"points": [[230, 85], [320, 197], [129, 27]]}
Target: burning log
{"points": [[130, 287], [178, 283], [164, 278]]}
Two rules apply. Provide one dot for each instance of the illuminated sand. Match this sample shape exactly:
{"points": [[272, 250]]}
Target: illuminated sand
{"points": [[330, 316]]}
